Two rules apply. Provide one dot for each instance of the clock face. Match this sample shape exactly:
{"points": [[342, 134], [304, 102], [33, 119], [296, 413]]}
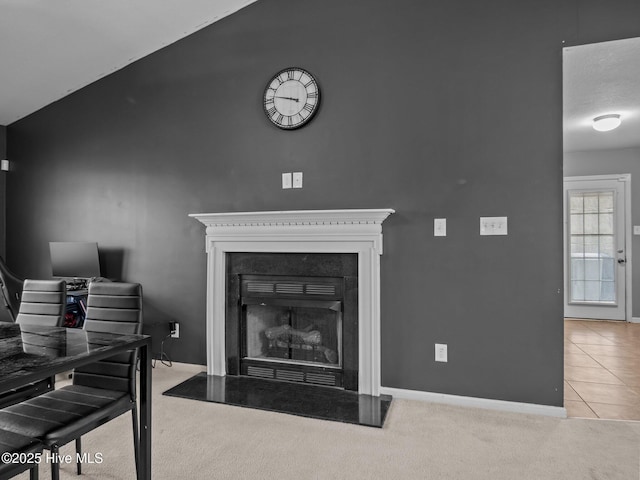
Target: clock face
{"points": [[291, 98]]}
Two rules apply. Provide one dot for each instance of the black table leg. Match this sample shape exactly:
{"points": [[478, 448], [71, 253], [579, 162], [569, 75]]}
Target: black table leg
{"points": [[144, 470]]}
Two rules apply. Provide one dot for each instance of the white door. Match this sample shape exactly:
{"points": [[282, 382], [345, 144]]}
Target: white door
{"points": [[595, 251]]}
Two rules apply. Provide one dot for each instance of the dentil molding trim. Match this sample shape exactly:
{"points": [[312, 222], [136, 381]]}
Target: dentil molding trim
{"points": [[294, 217]]}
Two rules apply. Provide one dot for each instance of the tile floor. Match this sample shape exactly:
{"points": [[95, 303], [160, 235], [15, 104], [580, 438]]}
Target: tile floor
{"points": [[602, 369]]}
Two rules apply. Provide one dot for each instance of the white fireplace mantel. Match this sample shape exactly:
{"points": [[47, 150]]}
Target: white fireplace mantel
{"points": [[300, 231]]}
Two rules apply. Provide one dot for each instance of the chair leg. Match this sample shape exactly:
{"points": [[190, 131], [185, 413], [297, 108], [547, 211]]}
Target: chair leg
{"points": [[78, 455], [33, 473], [136, 439], [55, 466]]}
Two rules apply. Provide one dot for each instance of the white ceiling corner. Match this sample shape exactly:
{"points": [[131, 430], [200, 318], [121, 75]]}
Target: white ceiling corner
{"points": [[50, 48]]}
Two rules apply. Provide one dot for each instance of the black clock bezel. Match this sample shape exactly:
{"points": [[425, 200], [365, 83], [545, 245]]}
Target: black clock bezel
{"points": [[312, 113]]}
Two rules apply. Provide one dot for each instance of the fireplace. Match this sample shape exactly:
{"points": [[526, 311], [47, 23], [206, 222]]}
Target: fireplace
{"points": [[307, 232], [293, 317]]}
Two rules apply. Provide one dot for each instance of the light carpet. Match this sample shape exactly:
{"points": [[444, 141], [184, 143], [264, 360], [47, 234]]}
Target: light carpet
{"points": [[201, 440]]}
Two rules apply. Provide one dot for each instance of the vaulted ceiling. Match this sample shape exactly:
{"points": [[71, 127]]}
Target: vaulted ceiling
{"points": [[50, 48]]}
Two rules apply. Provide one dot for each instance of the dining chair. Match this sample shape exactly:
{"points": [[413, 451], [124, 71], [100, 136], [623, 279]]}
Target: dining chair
{"points": [[23, 455], [11, 289], [100, 391], [44, 302]]}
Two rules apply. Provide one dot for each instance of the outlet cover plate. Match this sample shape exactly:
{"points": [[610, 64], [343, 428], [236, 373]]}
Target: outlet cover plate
{"points": [[176, 333], [441, 352]]}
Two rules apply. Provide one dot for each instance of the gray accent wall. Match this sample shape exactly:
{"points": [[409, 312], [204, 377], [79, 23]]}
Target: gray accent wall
{"points": [[614, 162], [436, 109]]}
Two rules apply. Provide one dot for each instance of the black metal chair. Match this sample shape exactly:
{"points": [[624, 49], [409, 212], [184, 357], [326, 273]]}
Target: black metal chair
{"points": [[24, 452], [100, 391], [11, 289]]}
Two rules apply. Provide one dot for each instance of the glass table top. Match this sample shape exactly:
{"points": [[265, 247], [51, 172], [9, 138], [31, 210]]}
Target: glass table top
{"points": [[29, 349]]}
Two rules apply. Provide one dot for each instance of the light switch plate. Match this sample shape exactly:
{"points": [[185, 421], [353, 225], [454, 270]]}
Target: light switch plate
{"points": [[439, 227], [493, 225], [286, 180], [297, 179], [636, 229]]}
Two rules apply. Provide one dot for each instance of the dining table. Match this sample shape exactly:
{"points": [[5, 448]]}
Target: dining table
{"points": [[29, 353]]}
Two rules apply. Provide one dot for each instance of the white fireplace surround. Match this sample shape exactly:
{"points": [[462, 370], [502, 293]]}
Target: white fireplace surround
{"points": [[301, 231]]}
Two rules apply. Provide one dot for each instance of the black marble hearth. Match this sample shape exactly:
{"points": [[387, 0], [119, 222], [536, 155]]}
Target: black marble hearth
{"points": [[296, 399]]}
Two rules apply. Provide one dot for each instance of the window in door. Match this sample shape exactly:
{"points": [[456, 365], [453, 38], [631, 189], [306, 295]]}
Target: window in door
{"points": [[593, 256]]}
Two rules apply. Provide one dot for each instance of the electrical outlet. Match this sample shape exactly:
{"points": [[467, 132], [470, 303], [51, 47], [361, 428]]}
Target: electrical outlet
{"points": [[175, 329], [441, 352]]}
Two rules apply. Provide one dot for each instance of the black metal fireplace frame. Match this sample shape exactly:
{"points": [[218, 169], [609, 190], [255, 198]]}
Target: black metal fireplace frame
{"points": [[316, 268]]}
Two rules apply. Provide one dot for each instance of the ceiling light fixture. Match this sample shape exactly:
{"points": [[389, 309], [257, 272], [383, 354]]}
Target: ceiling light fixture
{"points": [[604, 123]]}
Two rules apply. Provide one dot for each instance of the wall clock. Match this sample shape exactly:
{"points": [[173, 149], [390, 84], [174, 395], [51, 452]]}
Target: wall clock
{"points": [[291, 98]]}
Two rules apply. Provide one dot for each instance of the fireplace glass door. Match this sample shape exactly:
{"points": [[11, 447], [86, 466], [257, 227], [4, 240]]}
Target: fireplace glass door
{"points": [[305, 332], [292, 328]]}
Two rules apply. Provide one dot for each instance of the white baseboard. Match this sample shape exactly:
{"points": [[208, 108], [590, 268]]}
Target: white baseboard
{"points": [[635, 319], [486, 403]]}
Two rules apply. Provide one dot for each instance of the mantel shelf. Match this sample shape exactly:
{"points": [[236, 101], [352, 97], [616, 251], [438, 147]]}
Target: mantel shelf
{"points": [[294, 217]]}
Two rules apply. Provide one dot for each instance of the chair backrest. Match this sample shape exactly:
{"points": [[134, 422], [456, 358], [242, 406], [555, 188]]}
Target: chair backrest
{"points": [[11, 289], [112, 307], [44, 302]]}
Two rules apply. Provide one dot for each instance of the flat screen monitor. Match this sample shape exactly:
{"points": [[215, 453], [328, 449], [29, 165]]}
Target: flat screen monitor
{"points": [[74, 259]]}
